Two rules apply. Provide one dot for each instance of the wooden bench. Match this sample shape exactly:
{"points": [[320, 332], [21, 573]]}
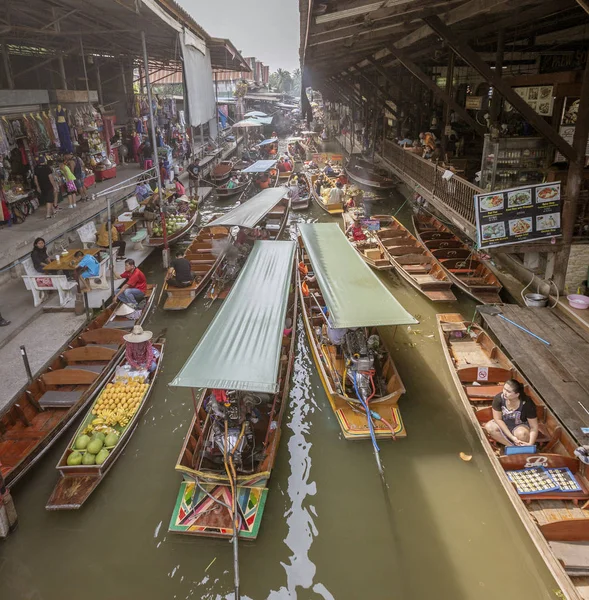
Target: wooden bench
{"points": [[59, 398]]}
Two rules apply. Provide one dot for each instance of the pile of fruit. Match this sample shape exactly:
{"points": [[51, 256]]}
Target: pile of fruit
{"points": [[118, 402], [92, 450], [173, 224]]}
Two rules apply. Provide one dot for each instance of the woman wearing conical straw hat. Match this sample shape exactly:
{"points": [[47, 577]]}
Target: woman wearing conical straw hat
{"points": [[139, 352]]}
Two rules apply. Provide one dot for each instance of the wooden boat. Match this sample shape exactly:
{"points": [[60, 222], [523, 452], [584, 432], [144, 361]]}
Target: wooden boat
{"points": [[344, 285], [204, 253], [271, 226], [463, 264], [284, 176], [221, 172], [76, 483], [412, 261], [42, 411], [251, 322], [331, 209], [556, 523], [302, 202], [365, 173], [370, 250], [224, 192], [158, 241], [239, 165]]}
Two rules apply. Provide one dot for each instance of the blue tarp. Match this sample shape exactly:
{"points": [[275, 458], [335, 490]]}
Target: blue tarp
{"points": [[260, 166], [269, 141]]}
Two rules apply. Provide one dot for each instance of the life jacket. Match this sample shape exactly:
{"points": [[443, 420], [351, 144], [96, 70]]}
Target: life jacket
{"points": [[303, 270], [305, 289]]}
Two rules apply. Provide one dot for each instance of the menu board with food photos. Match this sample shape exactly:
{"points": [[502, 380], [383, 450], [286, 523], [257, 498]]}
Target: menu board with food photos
{"points": [[518, 215]]}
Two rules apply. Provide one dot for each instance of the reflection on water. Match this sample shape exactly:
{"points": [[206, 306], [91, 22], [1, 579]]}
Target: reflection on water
{"points": [[441, 528]]}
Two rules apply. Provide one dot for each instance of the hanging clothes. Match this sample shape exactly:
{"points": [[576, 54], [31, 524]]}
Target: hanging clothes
{"points": [[63, 130]]}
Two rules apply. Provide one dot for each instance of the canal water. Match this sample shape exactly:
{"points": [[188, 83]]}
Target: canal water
{"points": [[440, 528]]}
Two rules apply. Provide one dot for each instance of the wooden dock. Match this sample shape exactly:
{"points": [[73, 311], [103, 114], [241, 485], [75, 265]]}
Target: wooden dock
{"points": [[559, 372]]}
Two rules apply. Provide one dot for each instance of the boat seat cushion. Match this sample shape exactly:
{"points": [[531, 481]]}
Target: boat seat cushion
{"points": [[57, 399]]}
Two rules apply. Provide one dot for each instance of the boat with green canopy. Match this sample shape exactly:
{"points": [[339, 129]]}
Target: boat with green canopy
{"points": [[239, 374], [263, 217], [343, 303]]}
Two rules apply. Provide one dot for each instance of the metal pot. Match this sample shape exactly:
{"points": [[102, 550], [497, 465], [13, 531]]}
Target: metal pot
{"points": [[536, 300]]}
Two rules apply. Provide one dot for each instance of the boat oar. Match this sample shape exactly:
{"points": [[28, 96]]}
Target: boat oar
{"points": [[495, 311]]}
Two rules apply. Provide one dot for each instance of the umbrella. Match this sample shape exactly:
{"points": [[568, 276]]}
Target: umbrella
{"points": [[255, 113], [247, 124]]}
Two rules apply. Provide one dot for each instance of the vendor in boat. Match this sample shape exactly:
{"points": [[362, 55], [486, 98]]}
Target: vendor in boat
{"points": [[263, 181], [293, 189], [282, 165], [318, 184], [139, 352], [515, 421], [343, 178], [355, 230], [233, 182], [180, 189], [180, 273], [328, 170]]}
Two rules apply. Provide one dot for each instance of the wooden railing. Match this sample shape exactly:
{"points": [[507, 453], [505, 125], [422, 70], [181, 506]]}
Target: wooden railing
{"points": [[456, 193]]}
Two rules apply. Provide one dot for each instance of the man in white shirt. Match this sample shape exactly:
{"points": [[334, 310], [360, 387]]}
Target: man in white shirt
{"points": [[336, 194]]}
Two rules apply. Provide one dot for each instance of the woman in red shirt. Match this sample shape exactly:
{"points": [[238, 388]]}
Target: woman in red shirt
{"points": [[133, 290]]}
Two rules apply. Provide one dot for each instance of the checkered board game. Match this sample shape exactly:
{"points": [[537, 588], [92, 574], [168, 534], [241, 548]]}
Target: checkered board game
{"points": [[538, 480]]}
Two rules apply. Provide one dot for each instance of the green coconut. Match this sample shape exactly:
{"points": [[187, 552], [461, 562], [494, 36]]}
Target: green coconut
{"points": [[74, 459], [94, 446], [99, 435], [88, 459], [82, 442], [101, 456], [111, 440]]}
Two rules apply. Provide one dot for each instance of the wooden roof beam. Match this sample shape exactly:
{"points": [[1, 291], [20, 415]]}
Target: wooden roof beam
{"points": [[584, 4], [532, 117], [439, 92]]}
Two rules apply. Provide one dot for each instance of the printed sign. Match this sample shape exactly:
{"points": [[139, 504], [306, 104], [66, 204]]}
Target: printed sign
{"points": [[518, 215], [540, 98], [371, 224], [482, 373], [474, 102]]}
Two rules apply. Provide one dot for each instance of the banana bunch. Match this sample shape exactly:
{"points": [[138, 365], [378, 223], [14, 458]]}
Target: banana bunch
{"points": [[98, 427]]}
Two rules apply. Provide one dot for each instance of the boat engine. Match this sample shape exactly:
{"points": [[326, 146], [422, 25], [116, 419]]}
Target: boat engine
{"points": [[239, 410], [359, 354]]}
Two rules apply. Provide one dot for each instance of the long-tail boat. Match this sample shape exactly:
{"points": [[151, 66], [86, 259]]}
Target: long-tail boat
{"points": [[40, 413], [204, 253], [221, 172], [557, 520], [231, 444], [370, 250], [342, 298], [414, 263], [264, 215], [157, 241], [302, 202], [333, 208], [264, 166], [223, 192], [366, 174], [77, 482], [463, 264]]}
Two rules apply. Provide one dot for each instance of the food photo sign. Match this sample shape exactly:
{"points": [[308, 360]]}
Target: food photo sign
{"points": [[518, 215]]}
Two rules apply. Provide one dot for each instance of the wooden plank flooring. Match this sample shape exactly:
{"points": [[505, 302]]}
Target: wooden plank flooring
{"points": [[559, 372]]}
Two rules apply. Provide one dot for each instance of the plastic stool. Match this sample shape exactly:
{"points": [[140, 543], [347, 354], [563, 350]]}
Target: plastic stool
{"points": [[138, 238]]}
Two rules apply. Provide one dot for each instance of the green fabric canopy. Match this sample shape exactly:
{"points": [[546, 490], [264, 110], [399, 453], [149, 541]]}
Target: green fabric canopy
{"points": [[251, 212], [353, 294], [241, 348]]}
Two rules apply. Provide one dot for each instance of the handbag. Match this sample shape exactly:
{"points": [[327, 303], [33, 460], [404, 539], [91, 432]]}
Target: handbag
{"points": [[71, 186]]}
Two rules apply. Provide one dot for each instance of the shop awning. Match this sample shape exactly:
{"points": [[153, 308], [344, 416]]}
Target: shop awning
{"points": [[260, 166], [261, 120], [353, 294], [255, 113], [268, 141], [241, 348], [247, 123], [250, 213]]}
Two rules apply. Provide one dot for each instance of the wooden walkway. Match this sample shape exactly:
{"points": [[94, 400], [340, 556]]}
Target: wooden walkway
{"points": [[559, 372]]}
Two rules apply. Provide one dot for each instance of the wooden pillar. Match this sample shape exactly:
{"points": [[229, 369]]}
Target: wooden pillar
{"points": [[450, 94], [7, 69], [98, 80], [573, 183], [496, 99]]}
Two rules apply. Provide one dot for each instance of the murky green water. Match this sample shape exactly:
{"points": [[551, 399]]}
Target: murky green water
{"points": [[442, 528]]}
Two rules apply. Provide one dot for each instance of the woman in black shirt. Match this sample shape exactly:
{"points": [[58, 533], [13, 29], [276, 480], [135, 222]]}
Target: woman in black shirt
{"points": [[515, 421], [39, 255]]}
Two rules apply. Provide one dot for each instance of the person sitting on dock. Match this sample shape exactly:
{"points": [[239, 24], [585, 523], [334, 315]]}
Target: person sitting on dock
{"points": [[133, 291], [88, 267], [180, 273], [39, 255], [515, 422], [117, 242]]}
